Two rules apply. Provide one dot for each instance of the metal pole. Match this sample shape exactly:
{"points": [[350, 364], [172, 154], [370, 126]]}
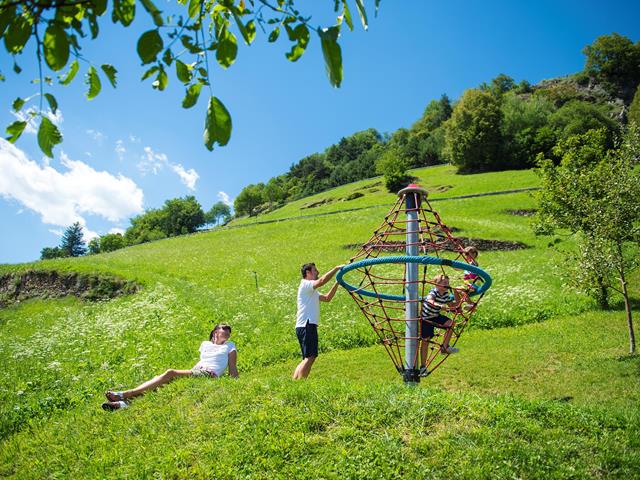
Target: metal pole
{"points": [[411, 372]]}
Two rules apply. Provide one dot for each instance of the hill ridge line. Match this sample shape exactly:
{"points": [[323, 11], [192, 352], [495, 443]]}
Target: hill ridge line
{"points": [[312, 215]]}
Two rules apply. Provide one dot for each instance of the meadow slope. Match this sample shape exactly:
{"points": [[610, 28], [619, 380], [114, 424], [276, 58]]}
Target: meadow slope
{"points": [[542, 388]]}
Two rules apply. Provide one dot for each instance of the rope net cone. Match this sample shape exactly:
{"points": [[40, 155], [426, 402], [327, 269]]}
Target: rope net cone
{"points": [[379, 286]]}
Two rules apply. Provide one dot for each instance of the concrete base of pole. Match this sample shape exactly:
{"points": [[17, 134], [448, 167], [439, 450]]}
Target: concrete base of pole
{"points": [[411, 375]]}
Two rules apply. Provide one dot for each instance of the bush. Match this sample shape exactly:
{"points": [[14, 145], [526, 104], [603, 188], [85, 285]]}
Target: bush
{"points": [[393, 166]]}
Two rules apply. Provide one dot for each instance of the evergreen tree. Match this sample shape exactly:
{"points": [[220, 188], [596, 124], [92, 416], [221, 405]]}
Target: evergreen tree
{"points": [[73, 243]]}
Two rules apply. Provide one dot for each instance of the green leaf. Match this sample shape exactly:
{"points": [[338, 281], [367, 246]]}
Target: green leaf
{"points": [[217, 127], [18, 103], [161, 80], [124, 11], [332, 54], [71, 74], [17, 34], [347, 14], [227, 50], [110, 71], [363, 13], [251, 31], [183, 72], [248, 32], [301, 35], [167, 57], [194, 8], [6, 14], [149, 46], [93, 24], [187, 42], [149, 72], [273, 36], [99, 7], [93, 81], [191, 98], [53, 103], [56, 47], [16, 67], [48, 136], [153, 11], [15, 130]]}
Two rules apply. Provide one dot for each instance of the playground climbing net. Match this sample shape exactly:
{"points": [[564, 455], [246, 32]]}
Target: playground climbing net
{"points": [[393, 272]]}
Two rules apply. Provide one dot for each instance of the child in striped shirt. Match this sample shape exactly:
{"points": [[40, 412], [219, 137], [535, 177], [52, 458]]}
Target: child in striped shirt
{"points": [[438, 298]]}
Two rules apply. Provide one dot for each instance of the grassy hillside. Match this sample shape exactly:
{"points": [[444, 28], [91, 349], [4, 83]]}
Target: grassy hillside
{"points": [[549, 394]]}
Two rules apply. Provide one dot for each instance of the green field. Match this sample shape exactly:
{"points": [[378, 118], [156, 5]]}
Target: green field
{"points": [[543, 386]]}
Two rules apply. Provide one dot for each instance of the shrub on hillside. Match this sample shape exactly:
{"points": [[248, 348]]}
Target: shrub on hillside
{"points": [[177, 217]]}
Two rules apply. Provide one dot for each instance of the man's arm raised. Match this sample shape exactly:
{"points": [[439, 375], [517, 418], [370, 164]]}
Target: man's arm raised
{"points": [[326, 277]]}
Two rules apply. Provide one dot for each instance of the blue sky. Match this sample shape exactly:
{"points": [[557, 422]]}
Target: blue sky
{"points": [[132, 147]]}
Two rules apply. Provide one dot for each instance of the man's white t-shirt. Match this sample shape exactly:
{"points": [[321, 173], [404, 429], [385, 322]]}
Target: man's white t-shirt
{"points": [[215, 357], [308, 304]]}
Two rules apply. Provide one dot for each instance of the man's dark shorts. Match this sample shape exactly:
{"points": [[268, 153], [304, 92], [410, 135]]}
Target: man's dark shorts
{"points": [[427, 328], [308, 338]]}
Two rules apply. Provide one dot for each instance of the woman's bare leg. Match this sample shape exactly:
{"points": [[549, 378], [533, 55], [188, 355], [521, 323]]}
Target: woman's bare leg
{"points": [[156, 382]]}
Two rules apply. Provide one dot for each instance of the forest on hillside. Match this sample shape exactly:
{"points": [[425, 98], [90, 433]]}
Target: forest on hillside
{"points": [[499, 125]]}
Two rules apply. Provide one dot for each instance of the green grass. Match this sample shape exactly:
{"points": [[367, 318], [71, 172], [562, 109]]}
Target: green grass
{"points": [[440, 182], [542, 387]]}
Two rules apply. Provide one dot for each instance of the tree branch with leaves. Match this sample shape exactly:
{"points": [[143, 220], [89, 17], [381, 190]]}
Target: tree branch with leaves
{"points": [[181, 43]]}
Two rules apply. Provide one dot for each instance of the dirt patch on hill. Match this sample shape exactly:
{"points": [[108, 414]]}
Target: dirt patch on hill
{"points": [[440, 188], [16, 287], [480, 243], [318, 203]]}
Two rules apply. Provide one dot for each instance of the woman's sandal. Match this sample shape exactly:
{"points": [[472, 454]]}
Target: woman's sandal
{"points": [[114, 396], [114, 405]]}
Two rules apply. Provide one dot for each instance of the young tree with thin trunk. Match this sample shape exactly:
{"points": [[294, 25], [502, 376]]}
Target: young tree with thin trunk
{"points": [[593, 193]]}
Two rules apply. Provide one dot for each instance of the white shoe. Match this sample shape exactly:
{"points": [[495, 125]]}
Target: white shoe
{"points": [[451, 350]]}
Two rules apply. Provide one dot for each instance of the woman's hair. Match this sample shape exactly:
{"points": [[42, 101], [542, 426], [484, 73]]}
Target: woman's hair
{"points": [[223, 326]]}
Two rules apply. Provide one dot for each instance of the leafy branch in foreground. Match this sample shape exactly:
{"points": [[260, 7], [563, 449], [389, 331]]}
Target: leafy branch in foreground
{"points": [[182, 43]]}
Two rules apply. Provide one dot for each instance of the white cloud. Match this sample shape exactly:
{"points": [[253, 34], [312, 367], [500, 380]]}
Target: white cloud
{"points": [[88, 235], [120, 150], [61, 198], [134, 139], [154, 162], [96, 135], [56, 232], [225, 198], [188, 177], [117, 230]]}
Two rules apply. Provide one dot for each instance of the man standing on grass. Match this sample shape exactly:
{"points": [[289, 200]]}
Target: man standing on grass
{"points": [[309, 314]]}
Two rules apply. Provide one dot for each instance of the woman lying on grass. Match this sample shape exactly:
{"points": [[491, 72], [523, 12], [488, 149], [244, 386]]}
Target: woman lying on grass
{"points": [[215, 355]]}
